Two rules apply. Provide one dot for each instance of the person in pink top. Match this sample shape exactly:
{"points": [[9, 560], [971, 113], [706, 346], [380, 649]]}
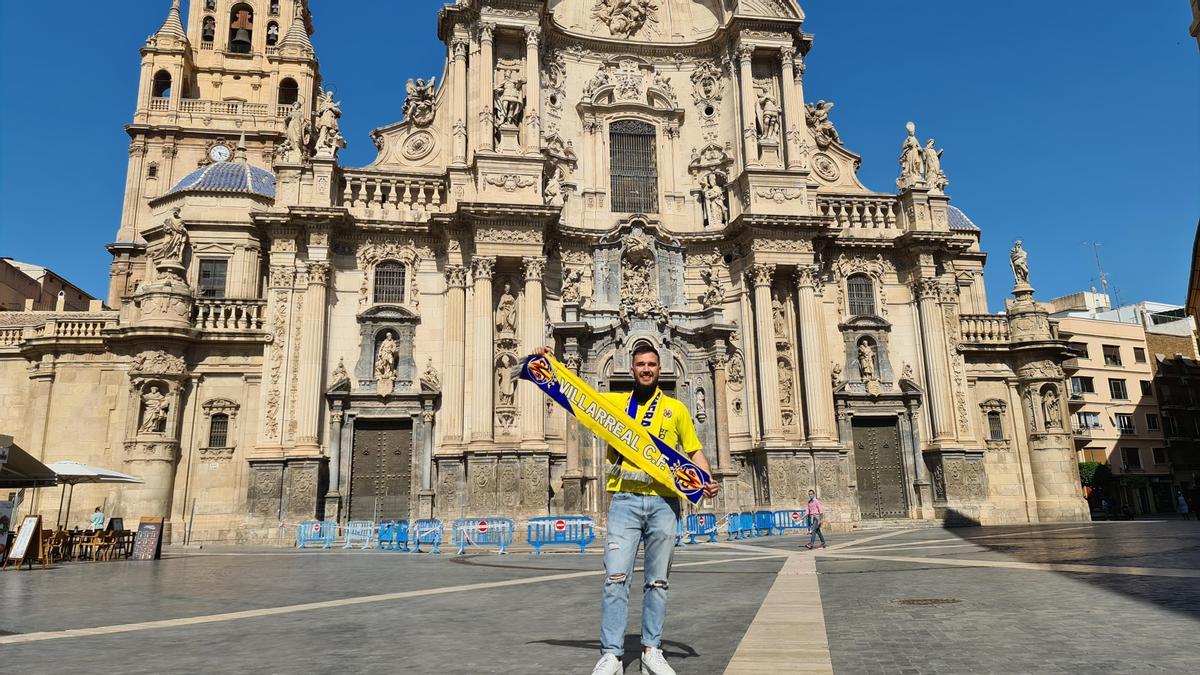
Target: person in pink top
{"points": [[816, 514]]}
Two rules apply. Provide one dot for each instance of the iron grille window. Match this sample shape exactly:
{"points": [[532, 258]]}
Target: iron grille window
{"points": [[212, 278], [1131, 457], [218, 431], [634, 167], [861, 292], [995, 427], [389, 282], [1125, 423]]}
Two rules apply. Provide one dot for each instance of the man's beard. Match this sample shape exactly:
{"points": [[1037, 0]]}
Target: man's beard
{"points": [[643, 392]]}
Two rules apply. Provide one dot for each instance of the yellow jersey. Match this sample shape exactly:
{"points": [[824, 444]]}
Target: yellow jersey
{"points": [[662, 416]]}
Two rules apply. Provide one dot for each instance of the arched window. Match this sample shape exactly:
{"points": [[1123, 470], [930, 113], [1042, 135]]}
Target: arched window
{"points": [[995, 426], [289, 91], [162, 85], [241, 29], [861, 293], [208, 30], [218, 431], [389, 282], [272, 34], [634, 167]]}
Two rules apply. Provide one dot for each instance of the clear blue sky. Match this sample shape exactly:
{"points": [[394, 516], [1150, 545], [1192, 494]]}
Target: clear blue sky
{"points": [[1063, 122]]}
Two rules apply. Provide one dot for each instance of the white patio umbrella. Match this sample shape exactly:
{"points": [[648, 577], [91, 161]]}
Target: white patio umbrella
{"points": [[70, 473]]}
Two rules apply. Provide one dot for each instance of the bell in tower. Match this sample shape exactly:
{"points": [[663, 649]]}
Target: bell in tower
{"points": [[241, 29]]}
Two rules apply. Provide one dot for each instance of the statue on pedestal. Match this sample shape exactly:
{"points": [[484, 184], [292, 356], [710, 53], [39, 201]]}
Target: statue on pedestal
{"points": [[509, 100], [866, 360], [329, 136], [385, 365], [1019, 260], [154, 411], [714, 201], [174, 239], [506, 311]]}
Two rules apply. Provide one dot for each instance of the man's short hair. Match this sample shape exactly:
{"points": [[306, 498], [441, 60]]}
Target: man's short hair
{"points": [[644, 348]]}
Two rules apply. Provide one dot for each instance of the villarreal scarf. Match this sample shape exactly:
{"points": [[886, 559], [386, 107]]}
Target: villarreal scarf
{"points": [[607, 420]]}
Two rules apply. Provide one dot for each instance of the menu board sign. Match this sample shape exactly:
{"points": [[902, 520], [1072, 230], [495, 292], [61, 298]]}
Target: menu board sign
{"points": [[147, 545], [29, 541]]}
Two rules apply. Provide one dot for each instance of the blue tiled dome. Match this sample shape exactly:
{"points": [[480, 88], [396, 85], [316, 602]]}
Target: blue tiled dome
{"points": [[233, 177], [959, 220]]}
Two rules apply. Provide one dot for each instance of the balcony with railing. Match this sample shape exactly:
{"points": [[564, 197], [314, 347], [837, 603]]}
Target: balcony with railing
{"points": [[984, 329], [56, 325], [229, 315], [391, 197], [859, 211]]}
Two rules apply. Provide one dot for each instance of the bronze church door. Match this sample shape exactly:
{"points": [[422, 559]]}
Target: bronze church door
{"points": [[879, 468], [381, 470]]}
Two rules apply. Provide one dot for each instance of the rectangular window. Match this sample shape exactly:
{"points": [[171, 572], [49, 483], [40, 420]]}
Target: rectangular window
{"points": [[1131, 458], [1124, 423], [212, 278], [1171, 426], [1117, 389], [1151, 422], [1112, 355], [861, 292], [1083, 385], [1160, 455], [633, 165], [995, 427], [1146, 388], [218, 431], [1079, 349], [1087, 420], [1139, 355]]}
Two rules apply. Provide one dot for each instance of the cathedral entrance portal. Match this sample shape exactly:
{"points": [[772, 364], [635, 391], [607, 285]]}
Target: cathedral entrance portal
{"points": [[381, 470], [879, 467]]}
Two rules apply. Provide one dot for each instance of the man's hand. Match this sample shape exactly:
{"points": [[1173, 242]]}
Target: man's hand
{"points": [[543, 351], [711, 489]]}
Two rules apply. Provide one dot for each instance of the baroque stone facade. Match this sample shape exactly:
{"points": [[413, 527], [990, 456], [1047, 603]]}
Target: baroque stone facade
{"points": [[292, 338]]}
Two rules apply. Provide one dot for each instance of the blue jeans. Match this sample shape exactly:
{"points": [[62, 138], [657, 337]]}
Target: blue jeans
{"points": [[816, 530], [632, 520]]}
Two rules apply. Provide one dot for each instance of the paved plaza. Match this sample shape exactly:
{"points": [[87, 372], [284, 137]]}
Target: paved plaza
{"points": [[1103, 597]]}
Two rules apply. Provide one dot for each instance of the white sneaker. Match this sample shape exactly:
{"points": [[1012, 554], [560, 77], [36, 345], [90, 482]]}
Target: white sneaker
{"points": [[654, 663], [608, 664]]}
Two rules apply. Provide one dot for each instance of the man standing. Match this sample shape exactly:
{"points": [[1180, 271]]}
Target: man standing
{"points": [[642, 511]]}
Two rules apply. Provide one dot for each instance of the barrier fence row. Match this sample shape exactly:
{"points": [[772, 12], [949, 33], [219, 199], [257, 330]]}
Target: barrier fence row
{"points": [[409, 536]]}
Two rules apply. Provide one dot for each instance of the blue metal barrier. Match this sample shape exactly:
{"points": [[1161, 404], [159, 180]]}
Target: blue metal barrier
{"points": [[794, 519], [679, 533], [400, 536], [544, 530], [386, 535], [746, 523], [733, 529], [316, 532], [359, 533], [426, 531], [482, 531], [701, 525], [763, 522]]}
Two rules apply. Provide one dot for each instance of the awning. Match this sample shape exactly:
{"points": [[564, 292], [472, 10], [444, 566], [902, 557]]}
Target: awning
{"points": [[23, 471]]}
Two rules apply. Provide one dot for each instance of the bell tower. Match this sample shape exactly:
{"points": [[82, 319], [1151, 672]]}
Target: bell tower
{"points": [[237, 68]]}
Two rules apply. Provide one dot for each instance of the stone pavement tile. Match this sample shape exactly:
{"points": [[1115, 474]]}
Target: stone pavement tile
{"points": [[788, 633]]}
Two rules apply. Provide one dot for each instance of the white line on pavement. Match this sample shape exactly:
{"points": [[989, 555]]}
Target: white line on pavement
{"points": [[1041, 567], [884, 535]]}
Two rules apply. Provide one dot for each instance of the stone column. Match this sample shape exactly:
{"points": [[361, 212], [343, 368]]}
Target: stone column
{"points": [[937, 374], [745, 54], [453, 384], [423, 441], [458, 47], [533, 328], [793, 107], [333, 496], [487, 73], [309, 399], [718, 361], [482, 412], [768, 371], [818, 400], [533, 88]]}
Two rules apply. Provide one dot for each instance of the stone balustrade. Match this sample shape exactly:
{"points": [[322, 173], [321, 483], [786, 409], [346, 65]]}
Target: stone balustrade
{"points": [[391, 197], [11, 336], [200, 105], [159, 103], [66, 325], [984, 329], [229, 314], [859, 211]]}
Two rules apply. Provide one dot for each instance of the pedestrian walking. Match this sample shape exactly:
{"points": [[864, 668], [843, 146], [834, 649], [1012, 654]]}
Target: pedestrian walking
{"points": [[816, 514], [1181, 505], [642, 512]]}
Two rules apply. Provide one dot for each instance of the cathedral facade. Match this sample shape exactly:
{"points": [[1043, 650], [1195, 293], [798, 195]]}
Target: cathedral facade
{"points": [[291, 339]]}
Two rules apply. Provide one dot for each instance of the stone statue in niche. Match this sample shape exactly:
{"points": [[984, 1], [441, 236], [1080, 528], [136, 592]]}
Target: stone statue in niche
{"points": [[572, 288], [639, 281], [329, 135], [768, 117], [174, 239], [866, 360], [506, 311], [504, 380], [736, 371], [509, 99], [786, 394], [714, 291], [777, 316], [339, 373], [819, 124], [835, 374], [418, 106], [906, 373], [430, 378], [1030, 409], [552, 194], [154, 412], [714, 201], [385, 365], [1050, 406], [701, 410], [1019, 260]]}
